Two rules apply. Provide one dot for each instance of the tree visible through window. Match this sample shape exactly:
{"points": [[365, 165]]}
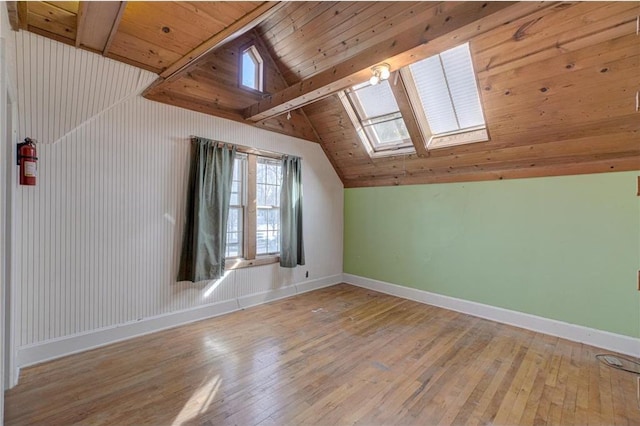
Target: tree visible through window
{"points": [[268, 181], [254, 211]]}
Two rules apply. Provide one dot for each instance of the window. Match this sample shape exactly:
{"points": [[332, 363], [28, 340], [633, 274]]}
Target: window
{"points": [[377, 118], [235, 222], [251, 69], [444, 95], [253, 226], [268, 181]]}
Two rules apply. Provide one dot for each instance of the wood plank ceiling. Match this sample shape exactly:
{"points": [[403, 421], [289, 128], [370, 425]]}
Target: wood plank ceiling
{"points": [[558, 80]]}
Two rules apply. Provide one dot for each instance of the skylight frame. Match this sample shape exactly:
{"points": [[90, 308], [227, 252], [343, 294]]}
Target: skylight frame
{"points": [[365, 127]]}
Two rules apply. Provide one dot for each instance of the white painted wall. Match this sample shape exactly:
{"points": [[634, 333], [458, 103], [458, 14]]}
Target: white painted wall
{"points": [[98, 238]]}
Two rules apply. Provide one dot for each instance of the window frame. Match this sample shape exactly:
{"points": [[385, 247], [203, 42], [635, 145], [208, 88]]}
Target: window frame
{"points": [[249, 227], [260, 74], [242, 207], [406, 147]]}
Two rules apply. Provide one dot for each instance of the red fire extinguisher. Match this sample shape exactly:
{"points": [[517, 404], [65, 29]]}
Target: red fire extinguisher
{"points": [[28, 162]]}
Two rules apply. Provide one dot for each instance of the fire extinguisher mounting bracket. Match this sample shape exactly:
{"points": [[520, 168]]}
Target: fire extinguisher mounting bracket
{"points": [[27, 141]]}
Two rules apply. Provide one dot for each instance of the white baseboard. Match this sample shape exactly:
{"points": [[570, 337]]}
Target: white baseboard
{"points": [[577, 333], [56, 348]]}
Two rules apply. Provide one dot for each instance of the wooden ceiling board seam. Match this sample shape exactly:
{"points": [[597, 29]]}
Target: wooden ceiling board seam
{"points": [[399, 173], [356, 39], [619, 76], [515, 29], [349, 47], [522, 51], [155, 56], [314, 37], [132, 62], [297, 15], [563, 18], [563, 64], [600, 127], [552, 52], [188, 102], [626, 164], [617, 144], [220, 95], [67, 6], [53, 36], [218, 19], [53, 20], [221, 11], [176, 41]]}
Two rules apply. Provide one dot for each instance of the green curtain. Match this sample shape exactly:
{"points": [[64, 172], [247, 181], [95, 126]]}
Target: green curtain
{"points": [[208, 196], [291, 243]]}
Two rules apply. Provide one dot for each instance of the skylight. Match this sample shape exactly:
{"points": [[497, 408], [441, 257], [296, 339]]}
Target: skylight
{"points": [[375, 113], [251, 72], [444, 94]]}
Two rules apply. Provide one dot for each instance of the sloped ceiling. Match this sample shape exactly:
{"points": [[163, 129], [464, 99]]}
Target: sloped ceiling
{"points": [[558, 80]]}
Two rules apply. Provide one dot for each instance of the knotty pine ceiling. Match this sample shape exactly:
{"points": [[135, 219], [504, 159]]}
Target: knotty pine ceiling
{"points": [[558, 80]]}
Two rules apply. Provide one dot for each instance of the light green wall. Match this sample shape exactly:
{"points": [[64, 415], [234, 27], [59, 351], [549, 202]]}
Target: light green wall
{"points": [[565, 248]]}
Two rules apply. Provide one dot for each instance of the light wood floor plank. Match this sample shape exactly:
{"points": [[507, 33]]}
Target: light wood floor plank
{"points": [[340, 355]]}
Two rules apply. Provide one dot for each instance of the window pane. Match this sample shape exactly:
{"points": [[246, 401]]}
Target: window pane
{"points": [[262, 231], [234, 232], [391, 132], [446, 85], [462, 85], [249, 70], [434, 95], [237, 197], [374, 101]]}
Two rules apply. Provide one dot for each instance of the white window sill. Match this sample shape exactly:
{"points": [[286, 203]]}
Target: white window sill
{"points": [[232, 264]]}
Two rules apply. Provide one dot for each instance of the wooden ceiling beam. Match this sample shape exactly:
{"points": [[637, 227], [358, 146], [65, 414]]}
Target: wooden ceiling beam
{"points": [[404, 105], [444, 26], [96, 21]]}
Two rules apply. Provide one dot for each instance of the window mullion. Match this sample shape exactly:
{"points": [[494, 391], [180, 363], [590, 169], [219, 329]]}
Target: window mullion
{"points": [[250, 219]]}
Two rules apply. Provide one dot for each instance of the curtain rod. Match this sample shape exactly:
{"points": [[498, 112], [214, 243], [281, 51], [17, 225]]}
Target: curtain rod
{"points": [[250, 150]]}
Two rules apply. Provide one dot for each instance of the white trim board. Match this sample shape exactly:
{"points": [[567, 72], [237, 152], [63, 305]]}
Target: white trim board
{"points": [[52, 349], [577, 333]]}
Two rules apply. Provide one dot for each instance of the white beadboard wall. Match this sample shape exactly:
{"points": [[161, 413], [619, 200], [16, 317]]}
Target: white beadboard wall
{"points": [[98, 239]]}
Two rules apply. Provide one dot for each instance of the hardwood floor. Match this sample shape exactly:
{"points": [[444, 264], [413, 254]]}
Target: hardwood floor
{"points": [[340, 355]]}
